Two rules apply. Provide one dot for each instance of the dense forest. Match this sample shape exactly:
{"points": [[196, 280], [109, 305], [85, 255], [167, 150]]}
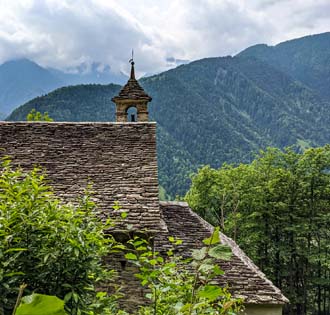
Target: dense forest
{"points": [[305, 59], [277, 208], [214, 110]]}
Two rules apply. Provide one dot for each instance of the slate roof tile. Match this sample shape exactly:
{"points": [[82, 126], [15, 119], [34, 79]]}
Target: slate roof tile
{"points": [[244, 278], [119, 159], [132, 90]]}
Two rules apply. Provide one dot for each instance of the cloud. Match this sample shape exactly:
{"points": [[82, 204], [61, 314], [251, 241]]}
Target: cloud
{"points": [[65, 33]]}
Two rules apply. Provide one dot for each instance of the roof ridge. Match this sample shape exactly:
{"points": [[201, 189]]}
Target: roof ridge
{"points": [[174, 203], [239, 253], [266, 291]]}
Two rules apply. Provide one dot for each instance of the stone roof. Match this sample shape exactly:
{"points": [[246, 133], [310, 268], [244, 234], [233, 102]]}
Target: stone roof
{"points": [[243, 277], [132, 90], [119, 159]]}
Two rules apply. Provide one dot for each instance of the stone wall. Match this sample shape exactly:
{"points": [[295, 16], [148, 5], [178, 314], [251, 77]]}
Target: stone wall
{"points": [[130, 287], [262, 309]]}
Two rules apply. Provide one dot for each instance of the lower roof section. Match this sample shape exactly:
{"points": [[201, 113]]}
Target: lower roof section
{"points": [[118, 159], [244, 278]]}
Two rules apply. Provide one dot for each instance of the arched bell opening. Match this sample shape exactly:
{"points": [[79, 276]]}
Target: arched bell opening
{"points": [[132, 114]]}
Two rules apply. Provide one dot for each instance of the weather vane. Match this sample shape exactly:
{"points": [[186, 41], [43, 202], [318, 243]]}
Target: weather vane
{"points": [[132, 59]]}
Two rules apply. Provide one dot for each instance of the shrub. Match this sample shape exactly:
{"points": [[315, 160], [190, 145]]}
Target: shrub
{"points": [[184, 286], [54, 248]]}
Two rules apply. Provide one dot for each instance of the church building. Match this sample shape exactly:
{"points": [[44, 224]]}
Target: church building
{"points": [[120, 160]]}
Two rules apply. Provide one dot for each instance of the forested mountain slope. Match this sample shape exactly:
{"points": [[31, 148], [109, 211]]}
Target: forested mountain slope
{"points": [[22, 79], [208, 112], [91, 102], [306, 59]]}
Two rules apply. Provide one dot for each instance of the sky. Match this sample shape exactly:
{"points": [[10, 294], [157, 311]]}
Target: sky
{"points": [[66, 33]]}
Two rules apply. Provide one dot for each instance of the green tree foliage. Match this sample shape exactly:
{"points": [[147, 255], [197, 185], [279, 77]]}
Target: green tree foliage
{"points": [[277, 208], [33, 115], [183, 286], [54, 248]]}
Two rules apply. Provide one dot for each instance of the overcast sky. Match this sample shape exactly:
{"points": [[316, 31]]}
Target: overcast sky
{"points": [[66, 33]]}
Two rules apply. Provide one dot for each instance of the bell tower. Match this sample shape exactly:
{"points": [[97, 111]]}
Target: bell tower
{"points": [[132, 96]]}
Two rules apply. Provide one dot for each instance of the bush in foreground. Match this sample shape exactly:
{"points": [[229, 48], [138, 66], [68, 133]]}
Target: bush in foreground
{"points": [[54, 248]]}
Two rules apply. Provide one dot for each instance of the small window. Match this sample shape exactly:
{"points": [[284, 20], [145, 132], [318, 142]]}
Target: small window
{"points": [[132, 114], [123, 264]]}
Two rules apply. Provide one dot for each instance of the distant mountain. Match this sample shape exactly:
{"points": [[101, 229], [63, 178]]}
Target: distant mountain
{"points": [[85, 74], [210, 111], [22, 80], [306, 59]]}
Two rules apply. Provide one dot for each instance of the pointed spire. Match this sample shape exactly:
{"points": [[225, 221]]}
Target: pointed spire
{"points": [[132, 89], [132, 66], [132, 71]]}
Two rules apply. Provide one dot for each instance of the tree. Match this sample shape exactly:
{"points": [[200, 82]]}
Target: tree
{"points": [[34, 115], [277, 208], [53, 247]]}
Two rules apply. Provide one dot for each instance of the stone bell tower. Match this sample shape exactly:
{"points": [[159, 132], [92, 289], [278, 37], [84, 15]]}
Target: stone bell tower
{"points": [[130, 96]]}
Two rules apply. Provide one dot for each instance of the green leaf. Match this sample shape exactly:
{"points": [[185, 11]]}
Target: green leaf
{"points": [[206, 267], [199, 254], [116, 206], [15, 250], [220, 251], [131, 256], [14, 273], [153, 262], [39, 304], [46, 257], [123, 215], [214, 238], [68, 297], [75, 297], [210, 292], [218, 271]]}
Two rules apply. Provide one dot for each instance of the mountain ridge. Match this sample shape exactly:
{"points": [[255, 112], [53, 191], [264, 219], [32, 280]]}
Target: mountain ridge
{"points": [[210, 111], [16, 85], [306, 59], [23, 79]]}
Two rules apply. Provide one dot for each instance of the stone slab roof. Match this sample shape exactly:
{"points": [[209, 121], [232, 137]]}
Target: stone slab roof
{"points": [[132, 91], [119, 159], [244, 278]]}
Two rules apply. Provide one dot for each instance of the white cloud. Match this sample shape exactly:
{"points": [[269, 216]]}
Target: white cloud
{"points": [[65, 33]]}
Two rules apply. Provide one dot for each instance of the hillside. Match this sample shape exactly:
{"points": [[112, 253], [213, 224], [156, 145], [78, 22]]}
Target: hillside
{"points": [[306, 59], [74, 103], [208, 112], [21, 80]]}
